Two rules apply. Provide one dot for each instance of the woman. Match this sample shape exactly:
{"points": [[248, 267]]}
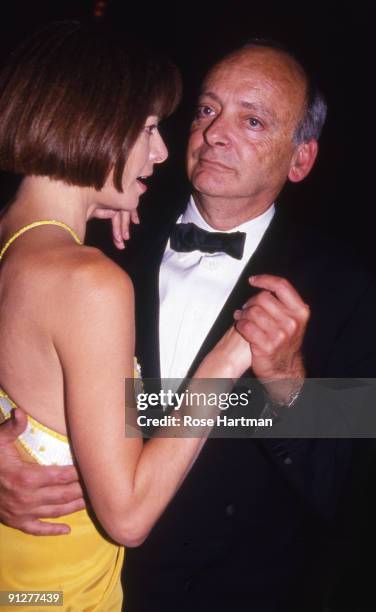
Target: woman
{"points": [[79, 119]]}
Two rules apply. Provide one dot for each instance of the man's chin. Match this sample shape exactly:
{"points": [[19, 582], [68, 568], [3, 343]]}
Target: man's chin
{"points": [[209, 185]]}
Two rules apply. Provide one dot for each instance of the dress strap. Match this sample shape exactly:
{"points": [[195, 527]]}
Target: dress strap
{"points": [[30, 226]]}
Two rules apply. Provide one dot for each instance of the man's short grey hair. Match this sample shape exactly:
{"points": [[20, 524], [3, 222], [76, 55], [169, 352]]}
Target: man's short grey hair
{"points": [[312, 122]]}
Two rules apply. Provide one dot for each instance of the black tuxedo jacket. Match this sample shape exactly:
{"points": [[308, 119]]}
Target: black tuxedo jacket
{"points": [[247, 529]]}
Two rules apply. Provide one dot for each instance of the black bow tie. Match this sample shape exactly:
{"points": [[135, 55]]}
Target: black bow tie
{"points": [[187, 237]]}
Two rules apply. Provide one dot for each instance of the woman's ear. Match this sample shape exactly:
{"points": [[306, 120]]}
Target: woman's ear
{"points": [[302, 160]]}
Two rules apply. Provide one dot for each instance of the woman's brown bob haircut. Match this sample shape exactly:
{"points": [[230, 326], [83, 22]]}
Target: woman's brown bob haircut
{"points": [[73, 100]]}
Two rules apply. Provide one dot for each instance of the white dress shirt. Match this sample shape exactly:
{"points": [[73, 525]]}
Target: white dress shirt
{"points": [[193, 287]]}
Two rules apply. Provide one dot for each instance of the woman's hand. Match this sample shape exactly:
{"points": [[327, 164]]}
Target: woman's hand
{"points": [[120, 226], [121, 221], [230, 357]]}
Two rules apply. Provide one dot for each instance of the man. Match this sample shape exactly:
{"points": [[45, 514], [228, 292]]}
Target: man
{"points": [[246, 530]]}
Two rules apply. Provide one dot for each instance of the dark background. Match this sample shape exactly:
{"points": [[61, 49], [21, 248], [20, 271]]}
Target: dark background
{"points": [[333, 42], [336, 43]]}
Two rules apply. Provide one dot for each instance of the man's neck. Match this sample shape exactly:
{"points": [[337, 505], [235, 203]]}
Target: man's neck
{"points": [[225, 214]]}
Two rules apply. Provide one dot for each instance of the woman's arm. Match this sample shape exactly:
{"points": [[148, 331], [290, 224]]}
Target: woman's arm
{"points": [[129, 484]]}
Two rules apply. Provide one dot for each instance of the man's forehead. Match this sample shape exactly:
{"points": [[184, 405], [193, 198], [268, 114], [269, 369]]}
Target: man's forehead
{"points": [[276, 67]]}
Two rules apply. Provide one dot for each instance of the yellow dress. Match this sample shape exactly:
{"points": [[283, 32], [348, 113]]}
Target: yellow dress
{"points": [[84, 564]]}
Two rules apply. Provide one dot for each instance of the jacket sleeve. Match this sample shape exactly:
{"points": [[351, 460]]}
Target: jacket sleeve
{"points": [[313, 444]]}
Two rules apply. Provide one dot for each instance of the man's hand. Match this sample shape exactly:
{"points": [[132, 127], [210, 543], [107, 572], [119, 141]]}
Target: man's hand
{"points": [[29, 492], [274, 323]]}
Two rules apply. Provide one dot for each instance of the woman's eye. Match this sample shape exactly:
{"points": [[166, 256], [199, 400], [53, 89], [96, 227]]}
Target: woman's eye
{"points": [[150, 129]]}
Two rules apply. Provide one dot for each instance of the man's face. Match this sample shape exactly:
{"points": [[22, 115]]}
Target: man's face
{"points": [[241, 142]]}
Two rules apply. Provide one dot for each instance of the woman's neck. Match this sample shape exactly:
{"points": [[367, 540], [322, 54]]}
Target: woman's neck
{"points": [[39, 198]]}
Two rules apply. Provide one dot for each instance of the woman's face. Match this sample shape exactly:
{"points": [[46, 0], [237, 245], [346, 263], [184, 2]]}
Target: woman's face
{"points": [[149, 149]]}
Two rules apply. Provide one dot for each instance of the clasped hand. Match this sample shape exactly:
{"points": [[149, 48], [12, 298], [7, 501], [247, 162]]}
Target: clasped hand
{"points": [[274, 323]]}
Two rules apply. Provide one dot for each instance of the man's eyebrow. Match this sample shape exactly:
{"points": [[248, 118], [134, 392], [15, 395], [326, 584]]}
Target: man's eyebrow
{"points": [[243, 103], [210, 94], [259, 108]]}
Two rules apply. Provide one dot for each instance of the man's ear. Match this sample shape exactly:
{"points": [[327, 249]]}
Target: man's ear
{"points": [[302, 160]]}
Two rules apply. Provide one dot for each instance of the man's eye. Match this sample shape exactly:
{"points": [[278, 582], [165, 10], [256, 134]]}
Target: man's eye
{"points": [[255, 123], [203, 111]]}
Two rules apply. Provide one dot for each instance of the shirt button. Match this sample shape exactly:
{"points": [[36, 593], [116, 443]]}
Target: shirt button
{"points": [[287, 461], [210, 263]]}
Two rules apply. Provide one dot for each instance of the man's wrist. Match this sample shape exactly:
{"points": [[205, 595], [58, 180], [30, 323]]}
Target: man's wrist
{"points": [[281, 396], [283, 391]]}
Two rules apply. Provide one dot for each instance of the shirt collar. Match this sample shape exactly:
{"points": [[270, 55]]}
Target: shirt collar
{"points": [[193, 215]]}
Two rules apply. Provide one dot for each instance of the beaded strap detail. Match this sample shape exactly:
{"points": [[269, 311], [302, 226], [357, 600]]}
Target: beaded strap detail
{"points": [[30, 226], [46, 446]]}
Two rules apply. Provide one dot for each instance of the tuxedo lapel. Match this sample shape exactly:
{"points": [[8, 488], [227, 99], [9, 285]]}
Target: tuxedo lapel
{"points": [[146, 282], [271, 257], [147, 316]]}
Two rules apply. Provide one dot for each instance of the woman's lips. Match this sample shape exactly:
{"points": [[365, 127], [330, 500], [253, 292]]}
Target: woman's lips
{"points": [[142, 185], [141, 180]]}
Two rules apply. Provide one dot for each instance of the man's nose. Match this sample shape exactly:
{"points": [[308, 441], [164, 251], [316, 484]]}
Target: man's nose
{"points": [[160, 151], [218, 133]]}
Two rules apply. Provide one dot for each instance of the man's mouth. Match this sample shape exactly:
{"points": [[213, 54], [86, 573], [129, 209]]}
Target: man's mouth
{"points": [[214, 164]]}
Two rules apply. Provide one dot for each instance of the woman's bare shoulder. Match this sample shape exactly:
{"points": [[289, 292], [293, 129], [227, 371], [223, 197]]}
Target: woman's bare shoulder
{"points": [[90, 271], [94, 314], [91, 264], [84, 277]]}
